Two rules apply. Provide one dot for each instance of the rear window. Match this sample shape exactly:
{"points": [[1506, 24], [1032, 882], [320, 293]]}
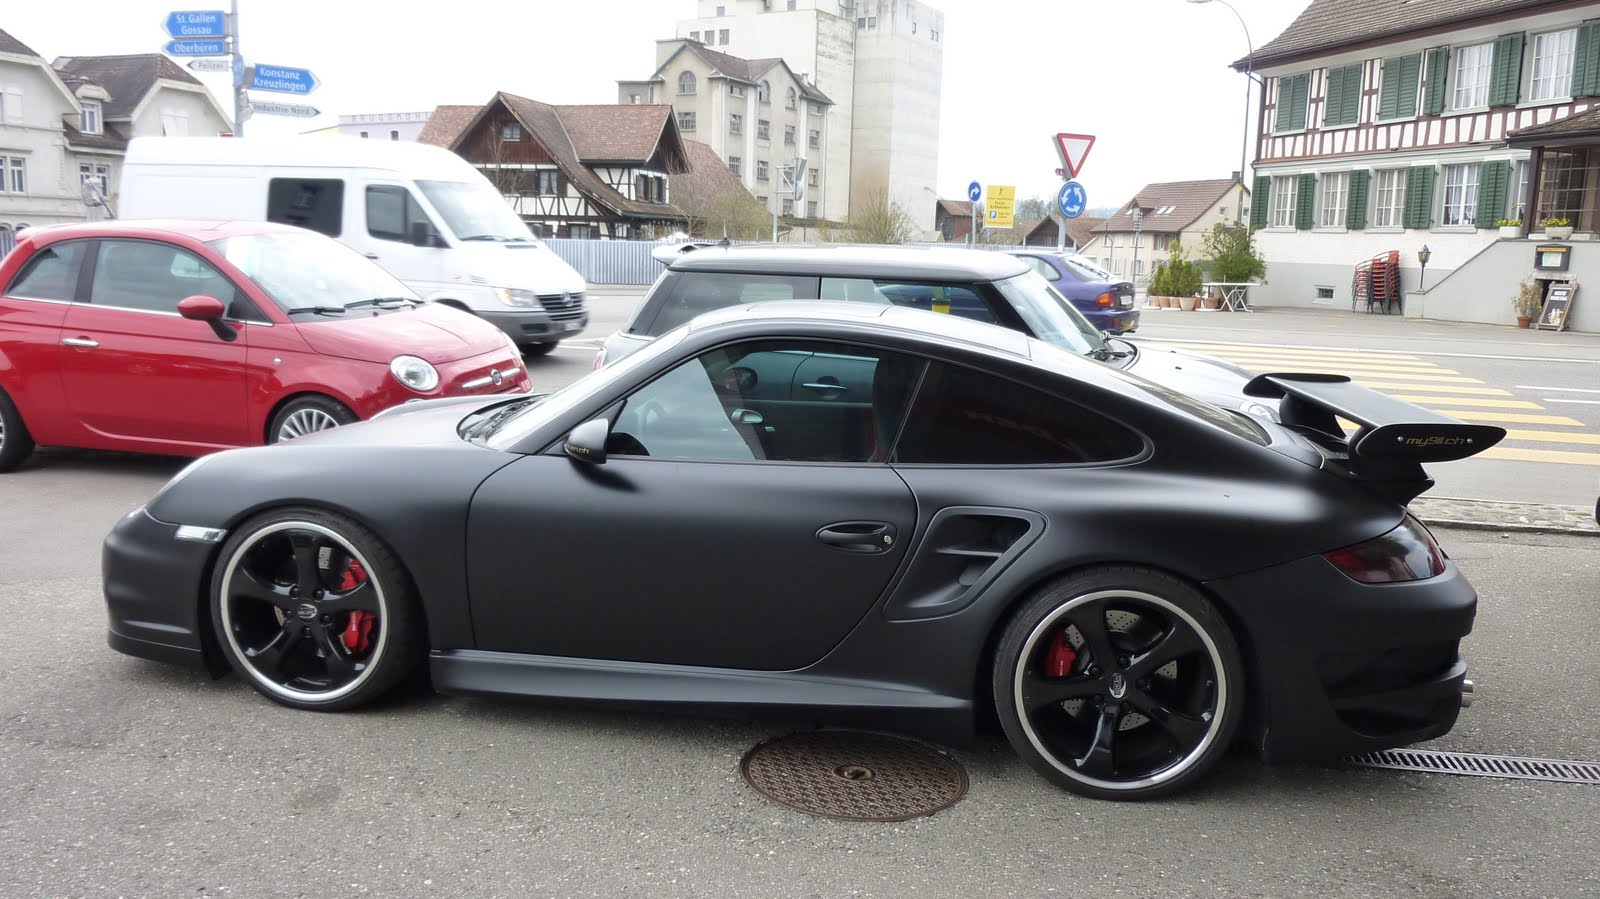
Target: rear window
{"points": [[315, 203], [696, 293], [52, 273]]}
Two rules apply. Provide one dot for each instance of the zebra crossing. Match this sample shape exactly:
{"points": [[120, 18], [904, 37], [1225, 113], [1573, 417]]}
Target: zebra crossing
{"points": [[1534, 432]]}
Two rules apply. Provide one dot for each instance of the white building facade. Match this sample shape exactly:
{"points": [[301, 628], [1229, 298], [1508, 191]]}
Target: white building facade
{"points": [[384, 125]]}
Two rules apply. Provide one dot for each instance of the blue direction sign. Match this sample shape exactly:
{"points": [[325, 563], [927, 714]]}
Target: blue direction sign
{"points": [[197, 23], [974, 191], [196, 48], [1072, 199], [282, 79]]}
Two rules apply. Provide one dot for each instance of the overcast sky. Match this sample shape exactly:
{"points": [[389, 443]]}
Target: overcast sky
{"points": [[1148, 78]]}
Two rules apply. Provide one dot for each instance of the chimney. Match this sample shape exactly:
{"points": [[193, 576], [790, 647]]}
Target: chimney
{"points": [[1236, 175]]}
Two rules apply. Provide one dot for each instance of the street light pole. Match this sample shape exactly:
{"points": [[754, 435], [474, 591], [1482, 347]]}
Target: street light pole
{"points": [[1244, 141]]}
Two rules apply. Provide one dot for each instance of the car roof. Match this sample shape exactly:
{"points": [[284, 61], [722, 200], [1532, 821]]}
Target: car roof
{"points": [[196, 229], [917, 323], [910, 263]]}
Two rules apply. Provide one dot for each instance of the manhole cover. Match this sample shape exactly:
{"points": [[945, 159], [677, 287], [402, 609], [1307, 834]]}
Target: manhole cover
{"points": [[855, 776]]}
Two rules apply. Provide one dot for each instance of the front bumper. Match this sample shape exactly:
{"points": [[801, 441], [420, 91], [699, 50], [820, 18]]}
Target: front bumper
{"points": [[154, 586], [1340, 667], [539, 325]]}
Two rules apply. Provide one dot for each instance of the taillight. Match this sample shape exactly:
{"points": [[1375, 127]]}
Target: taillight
{"points": [[600, 359], [1407, 553], [1105, 299]]}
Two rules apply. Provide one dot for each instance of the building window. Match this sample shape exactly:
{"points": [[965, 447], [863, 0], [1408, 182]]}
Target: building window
{"points": [[686, 121], [1460, 194], [1293, 94], [13, 175], [546, 183], [722, 11], [363, 134], [1397, 88], [734, 164], [763, 129], [11, 104], [1521, 200], [789, 98], [814, 138], [933, 34], [1564, 187], [694, 35], [394, 135], [1472, 76], [1282, 210], [579, 232], [97, 175], [1335, 199], [764, 92], [735, 123], [1388, 209], [872, 21], [761, 170], [811, 209], [722, 36], [686, 83], [1552, 65], [791, 5], [175, 123], [510, 131], [816, 109], [788, 134], [91, 117], [736, 89], [788, 206], [811, 177], [762, 200]]}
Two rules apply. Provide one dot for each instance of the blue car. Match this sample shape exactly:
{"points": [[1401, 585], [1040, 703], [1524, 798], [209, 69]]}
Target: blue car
{"points": [[1107, 303]]}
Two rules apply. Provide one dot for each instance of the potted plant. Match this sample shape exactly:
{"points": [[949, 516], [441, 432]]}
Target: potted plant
{"points": [[1557, 228], [1157, 289], [1186, 279], [1510, 227], [1526, 305]]}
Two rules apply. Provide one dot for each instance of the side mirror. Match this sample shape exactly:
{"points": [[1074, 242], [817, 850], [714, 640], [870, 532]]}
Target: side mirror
{"points": [[587, 442], [423, 235], [202, 308]]}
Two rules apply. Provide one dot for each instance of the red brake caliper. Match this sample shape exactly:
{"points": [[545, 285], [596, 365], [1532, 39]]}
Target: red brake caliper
{"points": [[1061, 658], [357, 634]]}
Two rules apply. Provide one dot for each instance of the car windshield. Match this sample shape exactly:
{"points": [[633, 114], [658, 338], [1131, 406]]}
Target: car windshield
{"points": [[305, 270], [509, 432], [1051, 318], [1085, 271], [475, 211]]}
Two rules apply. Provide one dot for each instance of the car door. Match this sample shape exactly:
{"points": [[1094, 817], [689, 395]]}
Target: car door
{"points": [[694, 543], [132, 368], [390, 213], [32, 308]]}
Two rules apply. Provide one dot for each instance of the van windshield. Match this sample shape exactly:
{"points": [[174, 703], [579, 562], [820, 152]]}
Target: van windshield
{"points": [[305, 270], [475, 211]]}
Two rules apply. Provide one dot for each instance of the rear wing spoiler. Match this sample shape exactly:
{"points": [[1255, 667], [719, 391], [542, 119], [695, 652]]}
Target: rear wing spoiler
{"points": [[1393, 437]]}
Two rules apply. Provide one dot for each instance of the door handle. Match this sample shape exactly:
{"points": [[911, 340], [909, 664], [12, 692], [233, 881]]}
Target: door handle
{"points": [[859, 536], [80, 341], [370, 255], [823, 385]]}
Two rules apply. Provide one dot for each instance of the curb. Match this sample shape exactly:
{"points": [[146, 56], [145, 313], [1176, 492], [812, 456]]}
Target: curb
{"points": [[1510, 517], [1506, 527]]}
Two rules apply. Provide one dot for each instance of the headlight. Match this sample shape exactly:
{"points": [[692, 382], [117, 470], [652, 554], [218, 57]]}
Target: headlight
{"points": [[515, 297], [414, 373], [1259, 410]]}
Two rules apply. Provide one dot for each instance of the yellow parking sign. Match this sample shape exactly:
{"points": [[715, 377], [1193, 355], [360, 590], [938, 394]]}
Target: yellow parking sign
{"points": [[999, 205]]}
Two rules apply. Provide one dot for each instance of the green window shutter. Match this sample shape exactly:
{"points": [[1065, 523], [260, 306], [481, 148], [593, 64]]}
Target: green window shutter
{"points": [[1433, 100], [1344, 96], [1397, 96], [1301, 86], [1259, 200], [1419, 198], [1305, 201], [1586, 62], [1355, 216], [1505, 72], [1493, 178], [1292, 102]]}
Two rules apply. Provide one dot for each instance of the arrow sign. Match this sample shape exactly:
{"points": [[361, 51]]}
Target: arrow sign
{"points": [[210, 65], [1072, 199], [1073, 149], [282, 79], [294, 110], [197, 23], [974, 191], [196, 48]]}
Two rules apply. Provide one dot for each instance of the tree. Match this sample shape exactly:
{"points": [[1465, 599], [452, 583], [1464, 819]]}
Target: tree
{"points": [[1036, 207], [714, 202], [879, 219], [1231, 255]]}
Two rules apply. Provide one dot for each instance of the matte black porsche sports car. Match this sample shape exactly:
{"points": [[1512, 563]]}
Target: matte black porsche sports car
{"points": [[848, 513]]}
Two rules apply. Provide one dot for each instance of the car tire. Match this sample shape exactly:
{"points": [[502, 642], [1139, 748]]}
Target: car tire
{"points": [[538, 349], [15, 441], [1151, 715], [314, 611], [306, 415]]}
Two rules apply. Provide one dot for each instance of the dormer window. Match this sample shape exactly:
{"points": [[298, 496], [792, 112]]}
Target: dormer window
{"points": [[91, 117]]}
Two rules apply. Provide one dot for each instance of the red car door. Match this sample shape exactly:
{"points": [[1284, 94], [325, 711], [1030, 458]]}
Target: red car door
{"points": [[138, 375], [32, 308]]}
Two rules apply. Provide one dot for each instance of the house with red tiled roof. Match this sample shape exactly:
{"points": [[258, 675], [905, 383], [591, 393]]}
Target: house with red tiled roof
{"points": [[1159, 215], [598, 171]]}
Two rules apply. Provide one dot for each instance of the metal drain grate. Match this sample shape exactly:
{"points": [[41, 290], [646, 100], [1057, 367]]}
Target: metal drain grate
{"points": [[855, 776], [1474, 764]]}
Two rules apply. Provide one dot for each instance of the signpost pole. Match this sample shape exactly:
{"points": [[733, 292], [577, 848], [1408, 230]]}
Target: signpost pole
{"points": [[241, 99]]}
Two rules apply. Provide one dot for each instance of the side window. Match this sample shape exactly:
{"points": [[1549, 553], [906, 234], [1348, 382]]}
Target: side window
{"points": [[142, 274], [52, 273], [315, 203], [772, 401], [391, 211], [696, 293], [958, 301], [1043, 268], [966, 417]]}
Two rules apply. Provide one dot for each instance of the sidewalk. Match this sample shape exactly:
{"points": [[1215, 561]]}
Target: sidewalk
{"points": [[1484, 515]]}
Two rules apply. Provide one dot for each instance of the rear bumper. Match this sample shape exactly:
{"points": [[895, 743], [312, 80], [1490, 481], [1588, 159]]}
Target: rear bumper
{"points": [[1113, 321], [154, 590], [1340, 667]]}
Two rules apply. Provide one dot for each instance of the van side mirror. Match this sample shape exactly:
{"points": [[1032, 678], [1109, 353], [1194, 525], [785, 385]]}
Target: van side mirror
{"points": [[587, 442], [202, 308], [423, 235]]}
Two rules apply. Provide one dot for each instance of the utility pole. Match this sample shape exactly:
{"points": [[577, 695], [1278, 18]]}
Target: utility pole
{"points": [[241, 97]]}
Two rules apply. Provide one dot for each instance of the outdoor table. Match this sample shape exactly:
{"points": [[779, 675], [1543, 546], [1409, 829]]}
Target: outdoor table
{"points": [[1233, 293]]}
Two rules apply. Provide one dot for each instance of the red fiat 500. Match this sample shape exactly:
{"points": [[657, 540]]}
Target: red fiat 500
{"points": [[184, 338]]}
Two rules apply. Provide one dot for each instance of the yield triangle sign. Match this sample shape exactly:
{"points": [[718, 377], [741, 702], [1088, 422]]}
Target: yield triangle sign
{"points": [[1073, 149]]}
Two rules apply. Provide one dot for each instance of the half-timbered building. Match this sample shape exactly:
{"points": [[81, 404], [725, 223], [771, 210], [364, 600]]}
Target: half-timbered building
{"points": [[1390, 125], [599, 171]]}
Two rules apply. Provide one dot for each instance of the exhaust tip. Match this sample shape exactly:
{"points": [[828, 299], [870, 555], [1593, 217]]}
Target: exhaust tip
{"points": [[1466, 694]]}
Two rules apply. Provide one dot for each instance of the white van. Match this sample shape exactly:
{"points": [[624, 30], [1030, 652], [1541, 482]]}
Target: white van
{"points": [[421, 212]]}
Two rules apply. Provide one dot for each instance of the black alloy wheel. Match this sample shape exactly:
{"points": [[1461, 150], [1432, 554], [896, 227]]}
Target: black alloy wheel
{"points": [[313, 611], [15, 441], [1119, 683]]}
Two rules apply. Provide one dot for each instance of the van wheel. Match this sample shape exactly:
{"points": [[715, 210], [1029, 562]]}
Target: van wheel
{"points": [[537, 349], [307, 415], [15, 441]]}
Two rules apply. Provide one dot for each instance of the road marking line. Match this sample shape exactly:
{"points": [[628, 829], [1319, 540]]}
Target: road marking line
{"points": [[1357, 358], [1553, 437], [1366, 373], [1530, 455], [1515, 418], [1550, 399], [1301, 346], [1272, 346], [1466, 401], [1435, 388], [1562, 389], [1334, 365]]}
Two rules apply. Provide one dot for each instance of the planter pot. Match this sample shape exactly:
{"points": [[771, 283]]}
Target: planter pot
{"points": [[1510, 231], [1524, 321], [1559, 233], [1211, 302], [1187, 303], [1159, 301]]}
